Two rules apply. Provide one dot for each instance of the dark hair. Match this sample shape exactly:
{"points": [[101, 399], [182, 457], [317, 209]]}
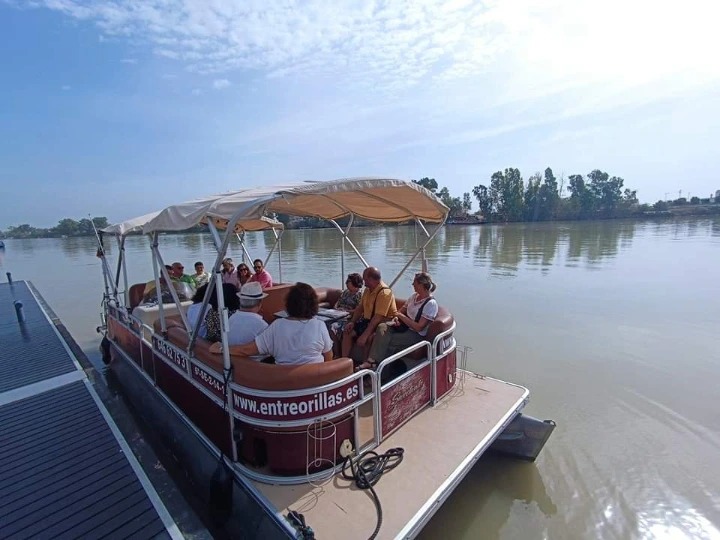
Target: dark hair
{"points": [[425, 279], [243, 265], [230, 297], [258, 261], [356, 279], [199, 263], [200, 294], [301, 301]]}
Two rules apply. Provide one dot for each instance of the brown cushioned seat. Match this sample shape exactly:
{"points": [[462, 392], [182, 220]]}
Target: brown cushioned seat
{"points": [[135, 294], [261, 376]]}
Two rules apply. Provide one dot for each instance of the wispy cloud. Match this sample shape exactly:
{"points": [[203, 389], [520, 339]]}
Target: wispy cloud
{"points": [[129, 61], [532, 47], [196, 92], [219, 84], [65, 87]]}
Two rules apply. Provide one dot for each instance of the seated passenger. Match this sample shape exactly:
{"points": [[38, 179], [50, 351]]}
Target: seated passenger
{"points": [[200, 276], [212, 319], [193, 312], [348, 301], [261, 275], [246, 323], [183, 290], [410, 325], [243, 273], [229, 274], [376, 305], [177, 274], [301, 338]]}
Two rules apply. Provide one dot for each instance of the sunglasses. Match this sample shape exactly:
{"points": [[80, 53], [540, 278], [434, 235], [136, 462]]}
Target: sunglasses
{"points": [[244, 269], [257, 267]]}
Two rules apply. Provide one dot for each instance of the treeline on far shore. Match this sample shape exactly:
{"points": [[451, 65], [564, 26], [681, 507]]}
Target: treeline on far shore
{"points": [[506, 198]]}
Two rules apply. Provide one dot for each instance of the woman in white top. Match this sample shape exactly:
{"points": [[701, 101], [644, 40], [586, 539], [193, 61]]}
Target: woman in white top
{"points": [[409, 326], [298, 339]]}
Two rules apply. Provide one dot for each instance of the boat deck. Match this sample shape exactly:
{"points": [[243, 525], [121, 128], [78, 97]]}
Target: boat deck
{"points": [[441, 445], [66, 470]]}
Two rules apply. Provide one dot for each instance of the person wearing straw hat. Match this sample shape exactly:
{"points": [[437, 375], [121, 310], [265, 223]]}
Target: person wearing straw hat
{"points": [[246, 323]]}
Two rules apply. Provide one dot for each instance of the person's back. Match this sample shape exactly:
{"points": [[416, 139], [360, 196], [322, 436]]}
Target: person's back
{"points": [[300, 338], [294, 342], [212, 318], [246, 323]]}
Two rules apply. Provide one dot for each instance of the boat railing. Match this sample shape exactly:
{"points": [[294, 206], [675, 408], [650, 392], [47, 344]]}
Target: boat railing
{"points": [[404, 396], [393, 403], [443, 346]]}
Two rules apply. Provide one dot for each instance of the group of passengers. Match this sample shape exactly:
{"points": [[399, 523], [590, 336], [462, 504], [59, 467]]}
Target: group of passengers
{"points": [[186, 285], [374, 323], [241, 275]]}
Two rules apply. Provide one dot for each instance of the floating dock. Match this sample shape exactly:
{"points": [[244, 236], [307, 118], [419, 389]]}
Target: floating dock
{"points": [[65, 469]]}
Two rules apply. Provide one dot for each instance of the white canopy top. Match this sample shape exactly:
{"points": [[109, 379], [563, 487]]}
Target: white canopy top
{"points": [[375, 199]]}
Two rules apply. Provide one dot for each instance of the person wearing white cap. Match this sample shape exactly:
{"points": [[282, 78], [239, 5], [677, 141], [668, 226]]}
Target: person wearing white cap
{"points": [[300, 338], [246, 323]]}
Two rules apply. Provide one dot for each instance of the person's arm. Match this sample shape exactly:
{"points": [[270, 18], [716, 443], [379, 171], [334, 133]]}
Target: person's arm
{"points": [[327, 356], [416, 326], [382, 308], [249, 349], [428, 315], [356, 314]]}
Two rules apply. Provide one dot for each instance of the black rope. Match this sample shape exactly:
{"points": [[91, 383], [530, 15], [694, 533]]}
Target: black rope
{"points": [[367, 470]]}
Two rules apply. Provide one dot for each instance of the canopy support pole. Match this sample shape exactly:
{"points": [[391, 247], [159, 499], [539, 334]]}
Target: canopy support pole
{"points": [[158, 288], [246, 253], [123, 262], [422, 249], [224, 324], [342, 251], [172, 290], [345, 237]]}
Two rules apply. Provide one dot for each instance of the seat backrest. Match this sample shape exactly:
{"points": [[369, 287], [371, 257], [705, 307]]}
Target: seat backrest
{"points": [[327, 296], [443, 321], [275, 300], [261, 376], [135, 294]]}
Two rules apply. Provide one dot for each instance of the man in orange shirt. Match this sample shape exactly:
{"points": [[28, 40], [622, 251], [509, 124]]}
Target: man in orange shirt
{"points": [[376, 305]]}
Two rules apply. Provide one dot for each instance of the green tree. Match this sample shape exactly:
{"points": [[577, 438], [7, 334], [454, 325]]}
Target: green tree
{"points": [[695, 200], [66, 227], [485, 202], [532, 197], [428, 183], [660, 206], [581, 198], [506, 191], [606, 191], [466, 203], [549, 196], [21, 231]]}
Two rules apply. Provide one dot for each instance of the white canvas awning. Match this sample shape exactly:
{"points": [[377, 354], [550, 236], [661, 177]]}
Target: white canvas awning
{"points": [[374, 199], [129, 226]]}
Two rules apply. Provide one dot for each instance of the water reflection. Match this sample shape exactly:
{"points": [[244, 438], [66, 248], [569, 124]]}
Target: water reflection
{"points": [[497, 485], [506, 248]]}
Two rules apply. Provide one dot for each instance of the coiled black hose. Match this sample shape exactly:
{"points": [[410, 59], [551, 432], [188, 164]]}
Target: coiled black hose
{"points": [[366, 471]]}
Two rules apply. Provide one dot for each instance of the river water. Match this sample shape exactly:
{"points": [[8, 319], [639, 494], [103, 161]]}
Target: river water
{"points": [[613, 326]]}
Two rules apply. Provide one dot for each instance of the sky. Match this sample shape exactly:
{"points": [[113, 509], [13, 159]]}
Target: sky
{"points": [[120, 107]]}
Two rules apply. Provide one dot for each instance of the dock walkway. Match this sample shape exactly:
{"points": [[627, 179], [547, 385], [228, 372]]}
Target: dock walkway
{"points": [[65, 469]]}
